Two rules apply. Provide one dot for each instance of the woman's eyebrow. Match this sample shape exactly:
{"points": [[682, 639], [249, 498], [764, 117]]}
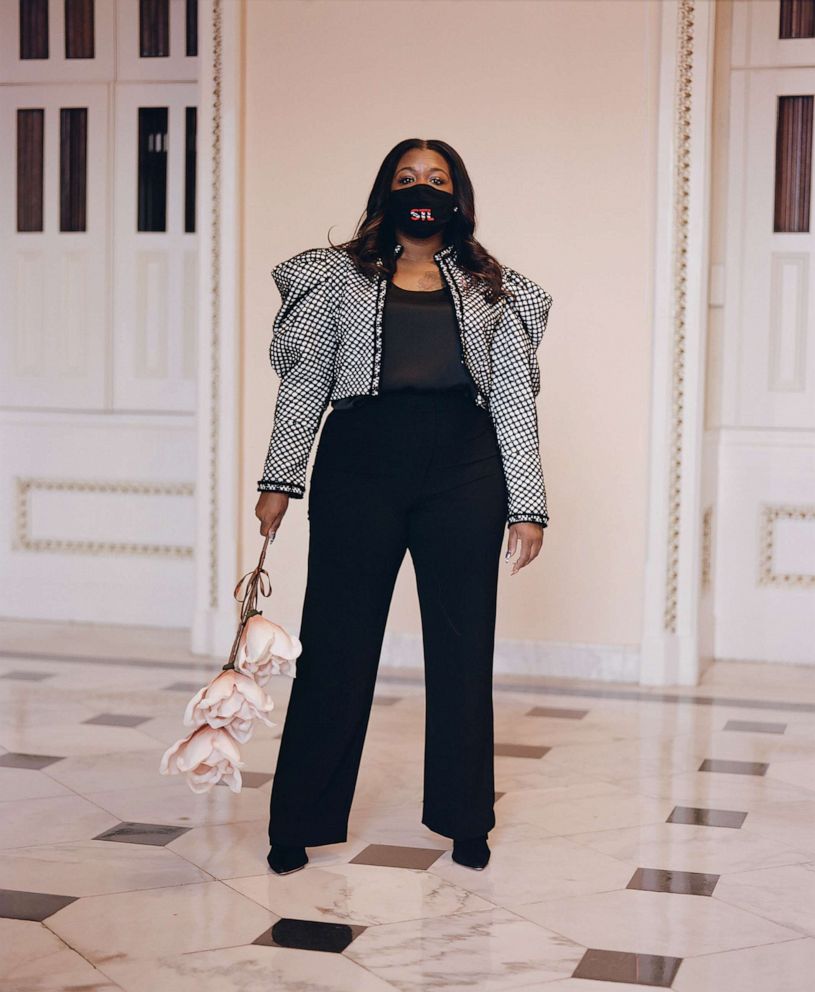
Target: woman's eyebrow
{"points": [[435, 168]]}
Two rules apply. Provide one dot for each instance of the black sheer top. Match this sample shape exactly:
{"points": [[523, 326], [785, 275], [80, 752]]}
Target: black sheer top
{"points": [[421, 346]]}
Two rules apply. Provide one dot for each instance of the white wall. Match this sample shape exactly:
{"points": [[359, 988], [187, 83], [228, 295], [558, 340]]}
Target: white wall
{"points": [[552, 107]]}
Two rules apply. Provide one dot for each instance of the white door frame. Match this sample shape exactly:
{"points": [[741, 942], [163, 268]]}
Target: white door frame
{"points": [[218, 422], [670, 636], [670, 651]]}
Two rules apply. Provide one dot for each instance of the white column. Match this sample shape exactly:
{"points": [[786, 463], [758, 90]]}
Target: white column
{"points": [[670, 638], [218, 219]]}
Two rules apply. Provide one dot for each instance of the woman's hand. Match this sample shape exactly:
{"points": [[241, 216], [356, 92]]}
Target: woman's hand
{"points": [[269, 510], [530, 538]]}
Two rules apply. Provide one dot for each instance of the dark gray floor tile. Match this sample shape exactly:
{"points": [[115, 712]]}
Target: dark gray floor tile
{"points": [[624, 966], [688, 883], [33, 762], [251, 780], [310, 935], [34, 906], [117, 720], [707, 817], [756, 726], [521, 750], [558, 712], [153, 834], [27, 676], [734, 767], [393, 856]]}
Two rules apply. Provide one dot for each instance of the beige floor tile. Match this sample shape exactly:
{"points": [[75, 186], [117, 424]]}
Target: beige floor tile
{"points": [[797, 773], [361, 894], [573, 815], [181, 806], [785, 895], [32, 959], [23, 709], [655, 923], [247, 969], [543, 775], [51, 821], [523, 729], [384, 783], [786, 967], [743, 792], [234, 850], [655, 720], [490, 951], [623, 759], [533, 869], [156, 922], [744, 746], [399, 825], [73, 739], [88, 773], [21, 783], [686, 847], [789, 823], [94, 867]]}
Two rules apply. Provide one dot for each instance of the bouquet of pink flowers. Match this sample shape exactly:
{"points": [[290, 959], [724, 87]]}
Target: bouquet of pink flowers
{"points": [[223, 713]]}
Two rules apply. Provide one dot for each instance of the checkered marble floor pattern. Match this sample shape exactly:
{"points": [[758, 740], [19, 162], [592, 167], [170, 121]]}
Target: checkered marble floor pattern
{"points": [[645, 838]]}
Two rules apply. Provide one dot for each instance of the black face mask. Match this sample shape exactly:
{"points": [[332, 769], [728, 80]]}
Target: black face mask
{"points": [[420, 209]]}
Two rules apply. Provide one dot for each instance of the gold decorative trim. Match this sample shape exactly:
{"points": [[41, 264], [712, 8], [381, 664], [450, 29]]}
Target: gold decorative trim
{"points": [[707, 546], [24, 542], [215, 283], [769, 515], [682, 126]]}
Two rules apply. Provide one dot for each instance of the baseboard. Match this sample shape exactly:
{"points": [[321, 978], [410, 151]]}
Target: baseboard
{"points": [[601, 662]]}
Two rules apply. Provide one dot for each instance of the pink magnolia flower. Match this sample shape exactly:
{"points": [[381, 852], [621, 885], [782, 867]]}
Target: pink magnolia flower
{"points": [[266, 649], [205, 756], [233, 701]]}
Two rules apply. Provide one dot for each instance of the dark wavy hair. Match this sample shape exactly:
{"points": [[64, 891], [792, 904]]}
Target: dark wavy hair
{"points": [[375, 235]]}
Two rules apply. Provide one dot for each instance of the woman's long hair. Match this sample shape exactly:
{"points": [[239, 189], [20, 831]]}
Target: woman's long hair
{"points": [[375, 235]]}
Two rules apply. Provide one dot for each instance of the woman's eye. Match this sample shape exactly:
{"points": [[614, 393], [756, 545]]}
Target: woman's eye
{"points": [[436, 180]]}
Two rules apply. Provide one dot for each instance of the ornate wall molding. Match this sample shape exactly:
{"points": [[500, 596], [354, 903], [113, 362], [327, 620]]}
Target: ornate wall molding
{"points": [[23, 541], [770, 514], [707, 547], [682, 193], [215, 297]]}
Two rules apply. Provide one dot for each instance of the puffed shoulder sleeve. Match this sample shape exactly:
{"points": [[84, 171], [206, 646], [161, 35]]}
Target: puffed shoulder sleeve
{"points": [[529, 306], [302, 353], [514, 385]]}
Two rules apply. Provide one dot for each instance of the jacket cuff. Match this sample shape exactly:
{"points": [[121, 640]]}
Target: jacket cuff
{"points": [[279, 486]]}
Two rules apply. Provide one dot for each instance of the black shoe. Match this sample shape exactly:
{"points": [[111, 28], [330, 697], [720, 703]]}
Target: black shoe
{"points": [[283, 859], [473, 852]]}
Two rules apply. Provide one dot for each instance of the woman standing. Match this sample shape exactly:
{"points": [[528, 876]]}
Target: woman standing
{"points": [[425, 346]]}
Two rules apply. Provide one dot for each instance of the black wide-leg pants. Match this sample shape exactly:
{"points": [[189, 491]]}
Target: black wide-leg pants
{"points": [[404, 470]]}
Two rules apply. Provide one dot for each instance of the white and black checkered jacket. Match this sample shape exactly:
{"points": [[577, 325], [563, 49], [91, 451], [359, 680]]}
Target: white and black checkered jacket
{"points": [[327, 345]]}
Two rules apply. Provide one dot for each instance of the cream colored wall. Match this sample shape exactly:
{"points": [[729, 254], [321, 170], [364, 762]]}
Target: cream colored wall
{"points": [[552, 106]]}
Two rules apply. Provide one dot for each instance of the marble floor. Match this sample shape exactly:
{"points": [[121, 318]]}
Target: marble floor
{"points": [[645, 838]]}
